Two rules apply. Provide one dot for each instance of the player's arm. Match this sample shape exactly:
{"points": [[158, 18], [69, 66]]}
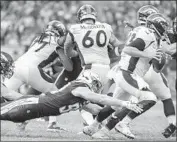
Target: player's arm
{"points": [[87, 94], [136, 49], [65, 60], [116, 44], [69, 46], [169, 48], [9, 94]]}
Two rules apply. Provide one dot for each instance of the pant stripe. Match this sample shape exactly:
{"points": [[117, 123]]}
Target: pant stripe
{"points": [[128, 78]]}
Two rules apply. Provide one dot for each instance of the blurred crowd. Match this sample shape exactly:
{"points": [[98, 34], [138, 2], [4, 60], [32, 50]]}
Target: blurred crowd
{"points": [[21, 21]]}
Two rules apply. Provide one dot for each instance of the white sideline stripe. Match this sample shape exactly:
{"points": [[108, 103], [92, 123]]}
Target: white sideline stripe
{"points": [[14, 104]]}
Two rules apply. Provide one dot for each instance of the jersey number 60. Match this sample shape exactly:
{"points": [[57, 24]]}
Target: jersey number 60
{"points": [[90, 40]]}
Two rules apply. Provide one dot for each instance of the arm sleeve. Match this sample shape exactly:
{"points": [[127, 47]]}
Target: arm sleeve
{"points": [[65, 60], [50, 59], [69, 46], [138, 43]]}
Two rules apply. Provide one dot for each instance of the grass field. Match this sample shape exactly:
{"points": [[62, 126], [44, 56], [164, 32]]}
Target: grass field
{"points": [[147, 127]]}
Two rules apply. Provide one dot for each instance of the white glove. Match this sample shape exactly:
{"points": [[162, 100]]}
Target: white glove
{"points": [[132, 106]]}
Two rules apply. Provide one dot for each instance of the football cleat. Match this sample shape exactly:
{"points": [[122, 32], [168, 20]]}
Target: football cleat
{"points": [[101, 134], [54, 128], [125, 130], [22, 126], [91, 129], [169, 131]]}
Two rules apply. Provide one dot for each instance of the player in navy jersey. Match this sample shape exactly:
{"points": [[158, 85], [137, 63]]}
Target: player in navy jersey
{"points": [[74, 95]]}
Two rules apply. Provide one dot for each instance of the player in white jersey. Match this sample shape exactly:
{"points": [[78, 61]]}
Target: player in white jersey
{"points": [[134, 63], [92, 39], [155, 80], [29, 67], [157, 83]]}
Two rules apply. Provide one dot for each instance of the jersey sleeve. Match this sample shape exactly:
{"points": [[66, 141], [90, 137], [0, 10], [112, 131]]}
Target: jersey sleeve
{"points": [[70, 43], [139, 38]]}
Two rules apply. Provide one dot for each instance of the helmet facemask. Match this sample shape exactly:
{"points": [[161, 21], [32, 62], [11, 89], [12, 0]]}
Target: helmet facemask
{"points": [[157, 23], [92, 80]]}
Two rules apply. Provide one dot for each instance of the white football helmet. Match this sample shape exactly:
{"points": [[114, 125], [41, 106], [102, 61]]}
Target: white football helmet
{"points": [[92, 80]]}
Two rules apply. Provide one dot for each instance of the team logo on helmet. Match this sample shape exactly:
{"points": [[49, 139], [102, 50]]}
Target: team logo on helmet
{"points": [[144, 12], [158, 23], [86, 12]]}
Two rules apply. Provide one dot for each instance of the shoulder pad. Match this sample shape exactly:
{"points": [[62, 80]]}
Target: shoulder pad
{"points": [[143, 33]]}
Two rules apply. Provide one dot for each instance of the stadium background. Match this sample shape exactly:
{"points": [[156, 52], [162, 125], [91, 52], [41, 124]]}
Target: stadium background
{"points": [[21, 21]]}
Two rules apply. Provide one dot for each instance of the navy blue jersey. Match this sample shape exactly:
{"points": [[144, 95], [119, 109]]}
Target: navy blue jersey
{"points": [[63, 98], [52, 104]]}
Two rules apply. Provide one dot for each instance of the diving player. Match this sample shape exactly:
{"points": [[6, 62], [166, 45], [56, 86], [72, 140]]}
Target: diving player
{"points": [[74, 95]]}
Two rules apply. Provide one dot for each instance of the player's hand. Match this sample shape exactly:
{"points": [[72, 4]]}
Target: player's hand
{"points": [[133, 107], [155, 54]]}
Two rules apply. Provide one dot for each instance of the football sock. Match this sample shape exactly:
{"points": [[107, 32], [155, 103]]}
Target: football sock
{"points": [[169, 110], [116, 117], [104, 113], [145, 104]]}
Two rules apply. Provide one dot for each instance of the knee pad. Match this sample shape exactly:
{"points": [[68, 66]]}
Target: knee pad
{"points": [[147, 95]]}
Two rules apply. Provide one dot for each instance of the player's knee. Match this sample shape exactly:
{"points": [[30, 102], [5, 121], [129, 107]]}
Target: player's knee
{"points": [[147, 95]]}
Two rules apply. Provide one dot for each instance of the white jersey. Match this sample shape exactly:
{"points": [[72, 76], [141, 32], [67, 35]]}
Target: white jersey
{"points": [[92, 42], [38, 52], [138, 65]]}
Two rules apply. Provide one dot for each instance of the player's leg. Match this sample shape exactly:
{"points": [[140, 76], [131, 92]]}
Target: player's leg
{"points": [[63, 78], [160, 87], [131, 84], [60, 81], [30, 107], [105, 112], [101, 71]]}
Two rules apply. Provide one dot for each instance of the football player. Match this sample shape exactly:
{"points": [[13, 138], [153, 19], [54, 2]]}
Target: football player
{"points": [[91, 39], [171, 48], [146, 37], [7, 69], [105, 112], [157, 84], [74, 95], [29, 67]]}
